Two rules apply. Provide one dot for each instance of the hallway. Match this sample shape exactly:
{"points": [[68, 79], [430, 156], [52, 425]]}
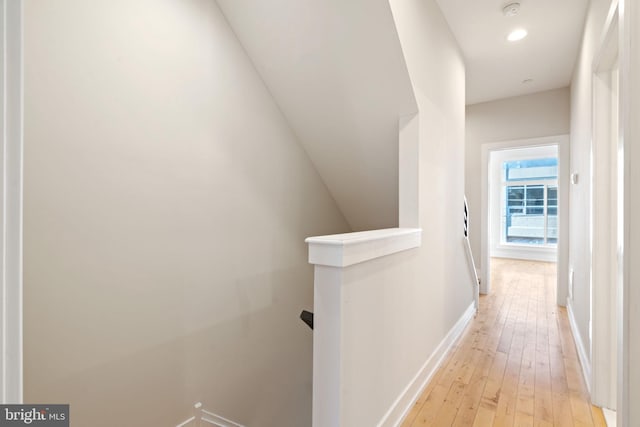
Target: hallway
{"points": [[515, 365], [184, 178]]}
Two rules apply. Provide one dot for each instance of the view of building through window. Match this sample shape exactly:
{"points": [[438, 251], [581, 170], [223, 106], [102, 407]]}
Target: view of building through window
{"points": [[530, 201]]}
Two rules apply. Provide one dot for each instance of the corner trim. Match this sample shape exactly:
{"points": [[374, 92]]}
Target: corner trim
{"points": [[403, 404], [582, 352], [11, 146]]}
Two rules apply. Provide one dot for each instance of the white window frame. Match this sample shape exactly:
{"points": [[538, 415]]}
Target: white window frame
{"points": [[501, 249], [546, 183]]}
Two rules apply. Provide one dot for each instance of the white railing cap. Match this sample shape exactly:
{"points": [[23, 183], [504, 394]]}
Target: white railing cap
{"points": [[343, 250]]}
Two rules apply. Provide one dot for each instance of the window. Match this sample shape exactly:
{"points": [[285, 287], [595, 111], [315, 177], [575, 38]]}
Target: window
{"points": [[530, 202]]}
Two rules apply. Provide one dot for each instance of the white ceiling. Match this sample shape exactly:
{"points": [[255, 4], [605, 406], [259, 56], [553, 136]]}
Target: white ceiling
{"points": [[497, 68]]}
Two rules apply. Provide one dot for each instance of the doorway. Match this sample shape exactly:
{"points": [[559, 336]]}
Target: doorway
{"points": [[524, 205]]}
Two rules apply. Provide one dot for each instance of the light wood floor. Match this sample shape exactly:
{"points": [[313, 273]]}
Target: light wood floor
{"points": [[515, 365]]}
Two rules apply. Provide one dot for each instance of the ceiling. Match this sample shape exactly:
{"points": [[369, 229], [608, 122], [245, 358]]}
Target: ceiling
{"points": [[497, 68]]}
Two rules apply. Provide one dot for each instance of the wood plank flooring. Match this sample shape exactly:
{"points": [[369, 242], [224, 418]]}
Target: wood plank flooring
{"points": [[515, 365]]}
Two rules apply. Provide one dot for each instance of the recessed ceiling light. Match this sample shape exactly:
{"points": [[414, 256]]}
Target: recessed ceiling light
{"points": [[516, 35], [511, 9]]}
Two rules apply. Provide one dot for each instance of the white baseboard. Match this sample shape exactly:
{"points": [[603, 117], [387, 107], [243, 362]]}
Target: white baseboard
{"points": [[582, 351], [526, 253], [403, 404], [609, 417]]}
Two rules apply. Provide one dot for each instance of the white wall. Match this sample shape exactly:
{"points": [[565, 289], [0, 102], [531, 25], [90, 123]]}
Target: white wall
{"points": [[374, 304], [628, 378], [388, 320], [166, 205], [433, 281], [437, 72], [580, 155], [529, 116]]}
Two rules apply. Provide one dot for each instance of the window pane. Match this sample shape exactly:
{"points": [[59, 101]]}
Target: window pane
{"points": [[535, 211], [515, 199], [552, 214], [515, 192], [524, 222], [535, 195], [552, 200], [535, 200]]}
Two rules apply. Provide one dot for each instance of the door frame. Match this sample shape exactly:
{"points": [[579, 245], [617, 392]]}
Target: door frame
{"points": [[562, 141], [628, 297], [605, 193]]}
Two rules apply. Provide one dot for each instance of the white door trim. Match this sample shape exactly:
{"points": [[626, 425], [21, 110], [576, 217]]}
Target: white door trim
{"points": [[563, 208], [604, 195], [11, 129], [628, 413]]}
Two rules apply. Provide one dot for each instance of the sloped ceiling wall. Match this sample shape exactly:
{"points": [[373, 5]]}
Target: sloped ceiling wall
{"points": [[337, 71]]}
